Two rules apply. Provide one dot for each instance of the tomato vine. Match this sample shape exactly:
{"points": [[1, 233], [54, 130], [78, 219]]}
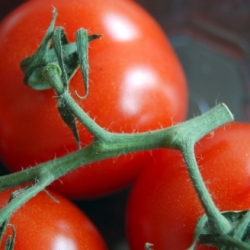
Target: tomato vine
{"points": [[106, 144]]}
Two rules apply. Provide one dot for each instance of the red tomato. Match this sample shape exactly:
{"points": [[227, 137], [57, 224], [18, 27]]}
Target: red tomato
{"points": [[136, 84], [163, 207], [43, 223]]}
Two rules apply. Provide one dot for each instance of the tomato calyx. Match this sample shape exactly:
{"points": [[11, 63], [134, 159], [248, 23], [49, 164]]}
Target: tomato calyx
{"points": [[55, 48], [215, 228], [65, 58], [10, 241], [238, 237]]}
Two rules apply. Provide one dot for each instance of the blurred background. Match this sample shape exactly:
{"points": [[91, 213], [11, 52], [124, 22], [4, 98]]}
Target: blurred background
{"points": [[212, 40]]}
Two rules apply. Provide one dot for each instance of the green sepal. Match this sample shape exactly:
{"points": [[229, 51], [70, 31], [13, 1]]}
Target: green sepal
{"points": [[66, 57], [11, 239], [55, 48], [36, 80], [30, 64], [242, 229], [200, 226], [82, 51], [3, 228], [68, 118], [237, 238]]}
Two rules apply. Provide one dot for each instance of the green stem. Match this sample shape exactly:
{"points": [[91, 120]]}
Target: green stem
{"points": [[186, 144], [106, 145], [52, 74], [111, 145], [27, 194], [218, 222]]}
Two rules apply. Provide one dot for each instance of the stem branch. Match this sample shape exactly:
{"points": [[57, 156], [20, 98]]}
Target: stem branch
{"points": [[218, 222], [112, 144]]}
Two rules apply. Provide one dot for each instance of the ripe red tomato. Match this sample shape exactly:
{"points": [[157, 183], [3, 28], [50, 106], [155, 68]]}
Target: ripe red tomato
{"points": [[136, 84], [43, 223], [163, 207]]}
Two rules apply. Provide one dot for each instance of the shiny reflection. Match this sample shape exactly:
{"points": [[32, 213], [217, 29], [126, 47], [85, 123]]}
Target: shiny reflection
{"points": [[64, 243], [136, 82], [199, 101], [120, 28]]}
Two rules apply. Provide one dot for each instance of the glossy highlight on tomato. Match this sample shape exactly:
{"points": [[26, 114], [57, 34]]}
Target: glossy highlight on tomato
{"points": [[50, 221], [163, 207], [136, 84]]}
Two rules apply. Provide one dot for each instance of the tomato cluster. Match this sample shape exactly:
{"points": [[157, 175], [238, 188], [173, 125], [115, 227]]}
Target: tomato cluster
{"points": [[131, 63], [163, 208], [136, 85]]}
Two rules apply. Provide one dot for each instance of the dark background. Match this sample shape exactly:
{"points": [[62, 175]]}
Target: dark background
{"points": [[212, 40]]}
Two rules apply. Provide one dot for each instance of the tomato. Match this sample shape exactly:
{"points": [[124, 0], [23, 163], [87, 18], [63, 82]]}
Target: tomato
{"points": [[136, 84], [163, 207], [44, 223]]}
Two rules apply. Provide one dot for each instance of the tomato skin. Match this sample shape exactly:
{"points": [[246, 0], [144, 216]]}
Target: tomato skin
{"points": [[43, 223], [136, 84], [163, 207]]}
